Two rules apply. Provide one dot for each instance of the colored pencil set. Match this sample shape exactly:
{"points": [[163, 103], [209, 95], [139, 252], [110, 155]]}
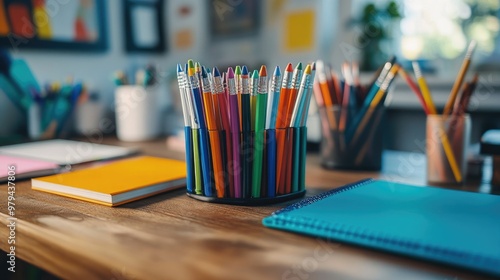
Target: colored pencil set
{"points": [[351, 113], [245, 131], [451, 129]]}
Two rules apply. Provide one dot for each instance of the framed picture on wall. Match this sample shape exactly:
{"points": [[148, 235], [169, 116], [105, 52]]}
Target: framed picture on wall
{"points": [[40, 24], [229, 19], [144, 26]]}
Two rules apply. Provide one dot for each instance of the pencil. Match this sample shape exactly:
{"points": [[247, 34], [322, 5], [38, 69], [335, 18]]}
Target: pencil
{"points": [[326, 94], [246, 146], [190, 178], [253, 96], [272, 108], [286, 166], [214, 136], [286, 85], [375, 102], [235, 131], [220, 93], [194, 135], [443, 135], [460, 78], [354, 125], [260, 119], [194, 86], [414, 88], [431, 108], [273, 98]]}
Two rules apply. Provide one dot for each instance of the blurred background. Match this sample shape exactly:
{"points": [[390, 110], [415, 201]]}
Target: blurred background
{"points": [[88, 41]]}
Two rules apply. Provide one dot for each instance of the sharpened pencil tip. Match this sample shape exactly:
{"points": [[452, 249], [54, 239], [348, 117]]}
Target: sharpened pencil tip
{"points": [[244, 70], [203, 72], [255, 74], [289, 68], [216, 72], [299, 66], [263, 71], [308, 69], [230, 73], [277, 71]]}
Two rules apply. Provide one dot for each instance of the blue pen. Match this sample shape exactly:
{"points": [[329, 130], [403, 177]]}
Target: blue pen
{"points": [[194, 86]]}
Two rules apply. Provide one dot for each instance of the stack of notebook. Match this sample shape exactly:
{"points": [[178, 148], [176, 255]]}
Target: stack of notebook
{"points": [[118, 182]]}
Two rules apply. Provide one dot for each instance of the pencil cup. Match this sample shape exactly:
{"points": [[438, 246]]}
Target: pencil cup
{"points": [[252, 178], [447, 139], [137, 113], [44, 125], [349, 142]]}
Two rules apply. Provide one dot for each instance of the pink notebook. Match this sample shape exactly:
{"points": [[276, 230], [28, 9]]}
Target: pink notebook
{"points": [[25, 167]]}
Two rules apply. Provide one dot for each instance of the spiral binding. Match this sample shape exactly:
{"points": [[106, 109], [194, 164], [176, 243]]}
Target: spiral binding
{"points": [[280, 218]]}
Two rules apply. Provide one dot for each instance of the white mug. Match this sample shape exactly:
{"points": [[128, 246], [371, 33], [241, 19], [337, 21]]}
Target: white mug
{"points": [[137, 112]]}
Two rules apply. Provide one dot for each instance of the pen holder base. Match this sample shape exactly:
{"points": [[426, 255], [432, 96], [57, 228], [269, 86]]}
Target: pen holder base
{"points": [[249, 201]]}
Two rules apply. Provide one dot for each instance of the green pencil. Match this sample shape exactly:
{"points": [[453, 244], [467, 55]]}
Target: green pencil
{"points": [[260, 120]]}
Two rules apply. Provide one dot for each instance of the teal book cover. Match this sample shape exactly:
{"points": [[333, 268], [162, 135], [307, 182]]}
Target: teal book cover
{"points": [[448, 226]]}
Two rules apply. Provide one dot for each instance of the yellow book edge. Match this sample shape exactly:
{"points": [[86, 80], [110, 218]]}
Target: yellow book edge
{"points": [[179, 186]]}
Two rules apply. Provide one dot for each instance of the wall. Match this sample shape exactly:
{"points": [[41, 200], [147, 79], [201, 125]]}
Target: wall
{"points": [[96, 69]]}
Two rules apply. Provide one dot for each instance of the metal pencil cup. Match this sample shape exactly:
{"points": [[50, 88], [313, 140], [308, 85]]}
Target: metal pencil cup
{"points": [[282, 153], [447, 139], [351, 142]]}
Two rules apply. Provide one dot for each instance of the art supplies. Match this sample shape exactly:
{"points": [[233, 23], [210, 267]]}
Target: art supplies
{"points": [[118, 182], [451, 129], [243, 121], [25, 168], [351, 115], [147, 76], [65, 152], [448, 226], [50, 111]]}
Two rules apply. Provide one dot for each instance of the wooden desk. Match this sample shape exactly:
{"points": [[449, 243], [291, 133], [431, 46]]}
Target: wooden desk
{"points": [[173, 236]]}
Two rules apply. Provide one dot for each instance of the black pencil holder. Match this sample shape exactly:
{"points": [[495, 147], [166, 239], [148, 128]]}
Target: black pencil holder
{"points": [[222, 177], [349, 143]]}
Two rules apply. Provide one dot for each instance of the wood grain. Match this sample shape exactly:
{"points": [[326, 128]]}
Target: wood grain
{"points": [[171, 236]]}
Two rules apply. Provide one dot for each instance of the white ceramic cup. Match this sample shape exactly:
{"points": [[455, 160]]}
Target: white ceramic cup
{"points": [[137, 113]]}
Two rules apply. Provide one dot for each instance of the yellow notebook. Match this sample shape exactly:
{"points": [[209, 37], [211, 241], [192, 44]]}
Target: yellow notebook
{"points": [[117, 182]]}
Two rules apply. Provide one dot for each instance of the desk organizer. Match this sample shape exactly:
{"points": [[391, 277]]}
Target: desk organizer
{"points": [[281, 179], [245, 134]]}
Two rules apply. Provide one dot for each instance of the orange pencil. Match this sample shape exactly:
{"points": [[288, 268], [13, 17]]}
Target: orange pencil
{"points": [[220, 95], [288, 149], [327, 95], [281, 124], [460, 78], [218, 172]]}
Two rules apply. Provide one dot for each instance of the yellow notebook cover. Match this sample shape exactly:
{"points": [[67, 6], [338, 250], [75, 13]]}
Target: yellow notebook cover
{"points": [[117, 182]]}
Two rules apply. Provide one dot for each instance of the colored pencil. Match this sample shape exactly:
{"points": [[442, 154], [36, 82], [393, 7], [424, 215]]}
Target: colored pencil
{"points": [[234, 117], [194, 86], [460, 78], [214, 135], [260, 119]]}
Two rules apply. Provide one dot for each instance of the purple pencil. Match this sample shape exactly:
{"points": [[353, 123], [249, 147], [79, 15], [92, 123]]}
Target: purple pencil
{"points": [[235, 131]]}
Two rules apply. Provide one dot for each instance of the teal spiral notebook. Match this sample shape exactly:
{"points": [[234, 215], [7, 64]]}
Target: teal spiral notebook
{"points": [[448, 226]]}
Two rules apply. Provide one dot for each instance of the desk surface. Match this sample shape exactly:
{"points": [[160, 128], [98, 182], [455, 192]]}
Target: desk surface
{"points": [[173, 236]]}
